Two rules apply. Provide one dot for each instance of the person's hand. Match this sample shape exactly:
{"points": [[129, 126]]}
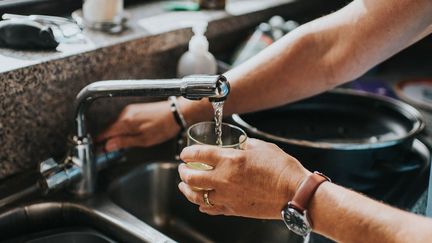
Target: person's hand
{"points": [[256, 182], [140, 125]]}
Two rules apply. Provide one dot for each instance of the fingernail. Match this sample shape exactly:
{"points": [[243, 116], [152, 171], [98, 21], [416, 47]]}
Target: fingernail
{"points": [[182, 154], [242, 141], [180, 186], [181, 166]]}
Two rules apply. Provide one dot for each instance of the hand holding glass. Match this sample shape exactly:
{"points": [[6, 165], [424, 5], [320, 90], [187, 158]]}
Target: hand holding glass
{"points": [[204, 133]]}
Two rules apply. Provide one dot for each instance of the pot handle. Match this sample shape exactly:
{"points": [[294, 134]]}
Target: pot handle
{"points": [[425, 138]]}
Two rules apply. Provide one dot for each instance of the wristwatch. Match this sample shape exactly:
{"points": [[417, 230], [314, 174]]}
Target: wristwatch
{"points": [[294, 214]]}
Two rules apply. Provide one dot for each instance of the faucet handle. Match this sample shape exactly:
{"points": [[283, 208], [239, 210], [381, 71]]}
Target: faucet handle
{"points": [[48, 165], [54, 176]]}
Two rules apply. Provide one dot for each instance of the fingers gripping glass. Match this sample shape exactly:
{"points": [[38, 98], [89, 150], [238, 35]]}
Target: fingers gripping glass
{"points": [[204, 133]]}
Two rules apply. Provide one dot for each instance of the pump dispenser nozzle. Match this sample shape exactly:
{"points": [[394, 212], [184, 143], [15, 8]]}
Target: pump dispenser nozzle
{"points": [[198, 60], [199, 42]]}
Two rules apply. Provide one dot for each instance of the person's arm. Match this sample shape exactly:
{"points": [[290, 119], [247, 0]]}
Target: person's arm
{"points": [[259, 181], [422, 35], [346, 216], [321, 54], [314, 58]]}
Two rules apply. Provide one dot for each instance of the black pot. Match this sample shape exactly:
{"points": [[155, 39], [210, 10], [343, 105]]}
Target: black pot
{"points": [[355, 138]]}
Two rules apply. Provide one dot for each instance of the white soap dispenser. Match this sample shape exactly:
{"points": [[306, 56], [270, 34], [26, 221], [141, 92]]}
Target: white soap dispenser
{"points": [[198, 59]]}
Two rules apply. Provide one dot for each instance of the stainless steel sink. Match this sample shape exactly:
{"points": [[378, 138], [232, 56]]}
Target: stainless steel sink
{"points": [[136, 202], [150, 193], [64, 235], [95, 220]]}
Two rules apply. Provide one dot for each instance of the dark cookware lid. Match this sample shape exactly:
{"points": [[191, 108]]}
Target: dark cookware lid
{"points": [[339, 119]]}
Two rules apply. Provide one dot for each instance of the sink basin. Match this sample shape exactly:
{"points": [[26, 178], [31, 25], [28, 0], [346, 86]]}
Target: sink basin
{"points": [[95, 220], [150, 193], [64, 235], [54, 222]]}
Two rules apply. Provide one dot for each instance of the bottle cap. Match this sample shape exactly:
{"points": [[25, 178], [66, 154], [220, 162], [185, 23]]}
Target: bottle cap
{"points": [[199, 42], [290, 25], [276, 21]]}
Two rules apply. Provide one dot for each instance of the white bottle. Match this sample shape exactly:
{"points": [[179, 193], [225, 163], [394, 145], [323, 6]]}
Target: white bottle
{"points": [[198, 59], [99, 11]]}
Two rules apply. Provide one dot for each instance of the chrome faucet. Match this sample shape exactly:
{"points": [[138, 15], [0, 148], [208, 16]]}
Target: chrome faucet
{"points": [[79, 169]]}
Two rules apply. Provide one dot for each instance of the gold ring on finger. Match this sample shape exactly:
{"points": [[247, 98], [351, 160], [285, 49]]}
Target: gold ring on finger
{"points": [[206, 199]]}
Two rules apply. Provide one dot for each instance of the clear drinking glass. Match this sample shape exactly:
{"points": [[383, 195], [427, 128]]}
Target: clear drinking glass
{"points": [[204, 133]]}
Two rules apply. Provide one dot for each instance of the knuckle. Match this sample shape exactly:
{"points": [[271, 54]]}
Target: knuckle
{"points": [[126, 119], [127, 110], [231, 177], [197, 153], [213, 153], [236, 158], [189, 153], [142, 128], [118, 141], [241, 158], [202, 209], [190, 179], [195, 198], [189, 197], [231, 157], [128, 113], [187, 178], [130, 108], [207, 150], [274, 146]]}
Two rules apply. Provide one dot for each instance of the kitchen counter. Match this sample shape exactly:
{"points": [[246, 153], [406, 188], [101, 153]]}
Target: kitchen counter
{"points": [[171, 29]]}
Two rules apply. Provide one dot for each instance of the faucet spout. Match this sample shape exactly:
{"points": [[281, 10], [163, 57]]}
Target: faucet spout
{"points": [[191, 87]]}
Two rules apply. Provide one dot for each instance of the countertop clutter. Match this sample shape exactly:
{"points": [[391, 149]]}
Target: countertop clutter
{"points": [[147, 20]]}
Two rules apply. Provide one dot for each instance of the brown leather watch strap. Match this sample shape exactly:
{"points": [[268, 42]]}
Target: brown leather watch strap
{"points": [[307, 189]]}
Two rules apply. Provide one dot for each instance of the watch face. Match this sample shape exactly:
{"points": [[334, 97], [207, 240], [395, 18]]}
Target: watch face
{"points": [[296, 221]]}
